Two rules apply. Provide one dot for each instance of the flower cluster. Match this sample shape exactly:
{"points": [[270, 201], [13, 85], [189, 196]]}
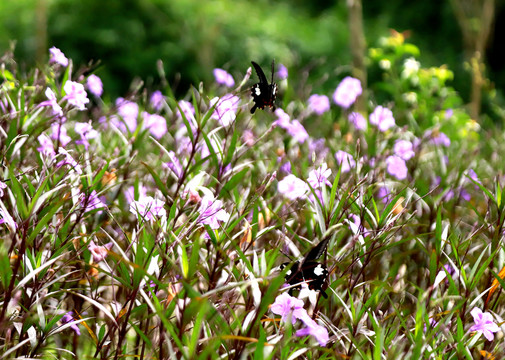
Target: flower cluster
{"points": [[291, 308]]}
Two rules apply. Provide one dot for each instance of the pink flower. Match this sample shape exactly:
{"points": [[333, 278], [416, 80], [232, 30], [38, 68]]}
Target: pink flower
{"points": [[68, 317], [319, 103], [86, 131], [156, 124], [68, 160], [46, 146], [57, 57], [283, 119], [156, 100], [347, 92], [346, 160], [60, 133], [129, 111], [319, 177], [222, 77], [91, 201], [286, 306], [404, 149], [484, 323], [382, 118], [226, 108], [312, 328], [396, 167], [94, 85], [75, 94], [358, 121], [282, 72], [297, 131], [292, 187], [130, 193], [212, 212], [99, 252], [438, 138], [52, 102], [148, 208]]}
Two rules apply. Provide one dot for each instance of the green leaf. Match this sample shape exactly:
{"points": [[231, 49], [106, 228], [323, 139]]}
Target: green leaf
{"points": [[232, 147], [157, 179], [234, 181]]}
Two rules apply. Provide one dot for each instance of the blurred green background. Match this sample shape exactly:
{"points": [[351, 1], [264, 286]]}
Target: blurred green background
{"points": [[192, 37]]}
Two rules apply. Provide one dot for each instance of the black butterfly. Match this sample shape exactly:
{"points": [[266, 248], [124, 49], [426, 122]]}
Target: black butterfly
{"points": [[263, 93], [308, 270]]}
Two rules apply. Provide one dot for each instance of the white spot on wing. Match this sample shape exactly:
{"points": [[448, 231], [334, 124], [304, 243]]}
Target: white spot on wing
{"points": [[257, 91], [318, 270]]}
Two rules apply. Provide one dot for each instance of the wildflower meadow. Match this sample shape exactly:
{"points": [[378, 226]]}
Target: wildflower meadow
{"points": [[156, 226]]}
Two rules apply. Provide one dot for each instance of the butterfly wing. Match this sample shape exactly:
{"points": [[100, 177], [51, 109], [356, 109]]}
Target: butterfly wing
{"points": [[318, 250], [260, 73], [263, 93]]}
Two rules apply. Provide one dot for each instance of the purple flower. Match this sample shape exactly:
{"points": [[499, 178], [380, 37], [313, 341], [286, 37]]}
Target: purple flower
{"points": [[46, 147], [86, 131], [157, 100], [68, 317], [347, 92], [465, 195], [148, 208], [283, 120], [317, 147], [319, 103], [99, 252], [448, 113], [346, 160], [52, 102], [384, 194], [226, 108], [356, 226], [129, 111], [91, 201], [319, 177], [286, 306], [68, 160], [6, 218], [282, 72], [174, 164], [484, 323], [212, 212], [473, 175], [404, 149], [248, 137], [2, 187], [156, 124], [286, 167], [75, 94], [438, 138], [297, 131], [358, 121], [382, 118], [57, 57], [94, 85], [223, 78], [59, 133], [292, 187], [130, 193], [396, 167], [312, 328]]}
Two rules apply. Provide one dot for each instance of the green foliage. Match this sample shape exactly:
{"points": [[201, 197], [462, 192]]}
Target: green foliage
{"points": [[195, 277]]}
